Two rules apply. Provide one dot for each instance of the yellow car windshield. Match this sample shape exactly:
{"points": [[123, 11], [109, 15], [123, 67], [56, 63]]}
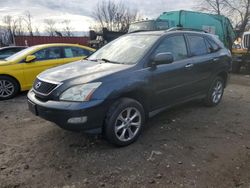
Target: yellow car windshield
{"points": [[20, 54]]}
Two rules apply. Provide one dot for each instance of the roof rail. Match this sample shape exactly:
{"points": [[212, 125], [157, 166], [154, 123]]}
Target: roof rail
{"points": [[184, 29]]}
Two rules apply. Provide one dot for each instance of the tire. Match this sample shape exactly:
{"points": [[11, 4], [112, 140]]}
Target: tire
{"points": [[215, 92], [124, 122], [8, 87]]}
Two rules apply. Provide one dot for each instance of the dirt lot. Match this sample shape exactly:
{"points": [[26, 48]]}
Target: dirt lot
{"points": [[188, 146]]}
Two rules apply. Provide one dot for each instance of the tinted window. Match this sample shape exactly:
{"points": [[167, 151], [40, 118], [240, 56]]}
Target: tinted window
{"points": [[197, 45], [8, 51], [75, 52], [49, 53], [40, 55], [176, 45], [212, 46]]}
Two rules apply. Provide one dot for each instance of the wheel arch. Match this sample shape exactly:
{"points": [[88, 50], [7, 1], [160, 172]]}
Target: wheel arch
{"points": [[139, 95], [224, 76], [7, 75]]}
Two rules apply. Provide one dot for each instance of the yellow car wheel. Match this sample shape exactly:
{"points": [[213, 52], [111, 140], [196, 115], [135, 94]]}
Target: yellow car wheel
{"points": [[8, 87]]}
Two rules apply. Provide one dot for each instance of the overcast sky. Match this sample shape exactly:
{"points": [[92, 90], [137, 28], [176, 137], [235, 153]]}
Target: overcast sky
{"points": [[80, 11]]}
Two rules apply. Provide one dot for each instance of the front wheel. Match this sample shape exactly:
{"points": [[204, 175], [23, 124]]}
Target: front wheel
{"points": [[215, 92], [124, 122], [8, 87]]}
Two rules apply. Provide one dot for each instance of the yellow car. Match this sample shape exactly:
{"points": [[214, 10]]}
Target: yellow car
{"points": [[18, 71]]}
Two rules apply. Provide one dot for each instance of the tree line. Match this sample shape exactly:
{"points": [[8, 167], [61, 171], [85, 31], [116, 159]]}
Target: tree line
{"points": [[238, 11], [23, 25], [117, 16]]}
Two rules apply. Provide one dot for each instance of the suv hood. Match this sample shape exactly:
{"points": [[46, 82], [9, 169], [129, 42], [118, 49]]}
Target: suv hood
{"points": [[87, 70]]}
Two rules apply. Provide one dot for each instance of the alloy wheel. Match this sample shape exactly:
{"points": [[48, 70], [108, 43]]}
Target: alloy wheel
{"points": [[128, 124], [217, 91], [7, 88]]}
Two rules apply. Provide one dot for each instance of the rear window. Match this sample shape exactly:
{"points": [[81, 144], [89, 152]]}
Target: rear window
{"points": [[197, 45], [212, 46]]}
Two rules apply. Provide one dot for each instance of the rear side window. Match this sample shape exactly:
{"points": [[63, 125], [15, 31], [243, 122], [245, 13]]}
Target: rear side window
{"points": [[197, 45], [176, 45], [48, 53], [212, 46], [75, 52]]}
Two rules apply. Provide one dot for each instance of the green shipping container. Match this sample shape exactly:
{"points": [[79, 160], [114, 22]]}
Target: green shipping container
{"points": [[214, 24]]}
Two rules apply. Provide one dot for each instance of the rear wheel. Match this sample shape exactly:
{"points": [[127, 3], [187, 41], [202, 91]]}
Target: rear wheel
{"points": [[124, 122], [8, 87], [215, 92]]}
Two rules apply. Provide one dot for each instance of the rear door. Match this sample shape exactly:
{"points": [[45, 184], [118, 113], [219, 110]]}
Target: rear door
{"points": [[173, 82], [202, 60]]}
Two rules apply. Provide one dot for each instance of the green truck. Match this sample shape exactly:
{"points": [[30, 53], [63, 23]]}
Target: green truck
{"points": [[215, 24]]}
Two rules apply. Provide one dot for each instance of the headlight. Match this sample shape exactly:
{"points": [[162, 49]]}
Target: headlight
{"points": [[80, 93]]}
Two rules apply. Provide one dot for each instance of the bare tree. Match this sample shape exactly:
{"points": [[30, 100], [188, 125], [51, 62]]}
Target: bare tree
{"points": [[213, 6], [19, 29], [238, 11], [50, 26], [28, 20], [67, 28], [10, 27], [114, 16], [37, 32]]}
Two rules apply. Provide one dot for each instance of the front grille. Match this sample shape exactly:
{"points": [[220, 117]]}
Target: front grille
{"points": [[43, 87]]}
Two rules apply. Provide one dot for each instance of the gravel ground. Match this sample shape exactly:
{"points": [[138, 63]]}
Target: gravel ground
{"points": [[187, 146]]}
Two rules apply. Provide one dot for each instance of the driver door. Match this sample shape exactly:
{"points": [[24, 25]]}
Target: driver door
{"points": [[173, 82]]}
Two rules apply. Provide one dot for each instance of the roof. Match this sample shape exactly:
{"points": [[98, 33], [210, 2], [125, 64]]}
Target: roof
{"points": [[61, 44], [164, 32], [13, 47]]}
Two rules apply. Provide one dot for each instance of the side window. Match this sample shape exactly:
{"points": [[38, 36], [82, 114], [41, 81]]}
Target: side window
{"points": [[212, 46], [54, 53], [7, 52], [68, 52], [197, 45], [176, 45], [80, 52], [48, 53], [75, 52], [17, 50], [40, 55]]}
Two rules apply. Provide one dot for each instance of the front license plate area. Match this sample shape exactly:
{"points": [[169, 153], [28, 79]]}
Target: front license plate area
{"points": [[33, 108]]}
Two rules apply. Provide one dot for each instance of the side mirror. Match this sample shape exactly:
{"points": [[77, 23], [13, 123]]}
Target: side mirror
{"points": [[30, 58], [163, 58]]}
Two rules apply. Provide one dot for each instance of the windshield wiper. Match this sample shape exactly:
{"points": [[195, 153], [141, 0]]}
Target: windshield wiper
{"points": [[104, 60]]}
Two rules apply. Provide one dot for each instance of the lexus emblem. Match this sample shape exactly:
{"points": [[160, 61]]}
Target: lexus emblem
{"points": [[38, 84]]}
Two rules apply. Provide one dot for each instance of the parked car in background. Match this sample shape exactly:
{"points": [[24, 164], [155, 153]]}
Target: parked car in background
{"points": [[18, 71], [10, 50], [134, 77]]}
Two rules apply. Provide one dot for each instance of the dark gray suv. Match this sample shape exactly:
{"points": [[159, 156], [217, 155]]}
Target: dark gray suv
{"points": [[134, 77]]}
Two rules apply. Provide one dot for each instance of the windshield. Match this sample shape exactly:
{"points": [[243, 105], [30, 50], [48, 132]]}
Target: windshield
{"points": [[20, 54], [125, 50]]}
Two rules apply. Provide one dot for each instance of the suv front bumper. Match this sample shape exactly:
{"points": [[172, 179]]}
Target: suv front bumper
{"points": [[75, 116]]}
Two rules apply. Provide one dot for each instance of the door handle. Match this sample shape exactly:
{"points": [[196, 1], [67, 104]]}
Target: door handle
{"points": [[190, 65]]}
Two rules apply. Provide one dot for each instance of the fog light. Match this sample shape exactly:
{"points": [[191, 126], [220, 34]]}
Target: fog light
{"points": [[78, 120]]}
